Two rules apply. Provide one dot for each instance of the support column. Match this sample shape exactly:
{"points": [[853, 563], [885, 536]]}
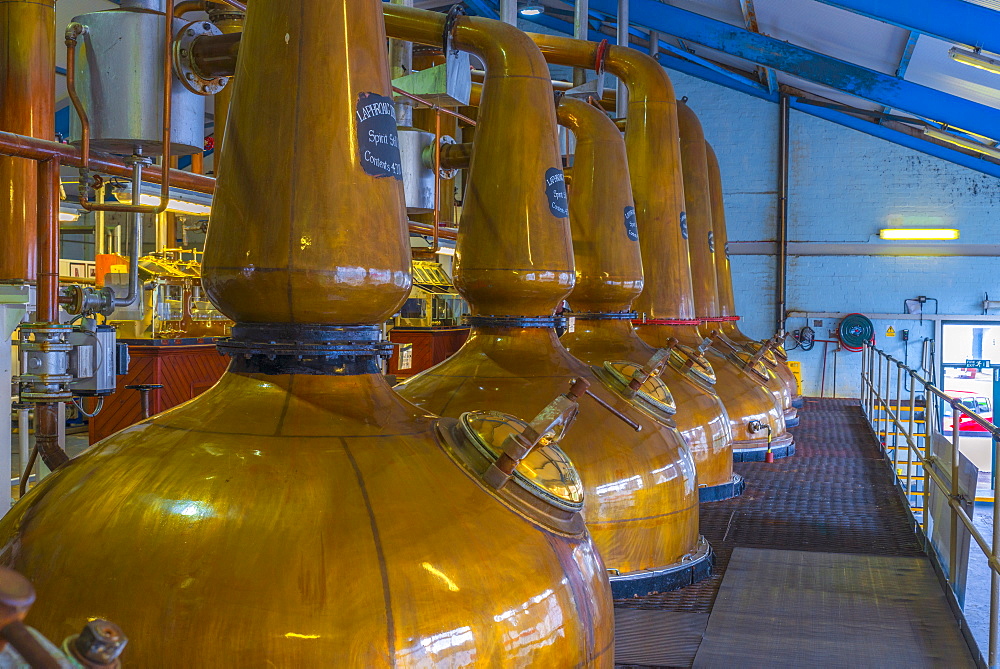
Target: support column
{"points": [[27, 107]]}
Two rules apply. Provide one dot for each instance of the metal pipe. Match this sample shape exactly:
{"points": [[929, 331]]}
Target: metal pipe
{"points": [[27, 79], [581, 30], [230, 22], [508, 12], [624, 41], [23, 436], [781, 279], [47, 304], [40, 150], [188, 6], [516, 70], [401, 64], [216, 55], [956, 416], [995, 581], [136, 243]]}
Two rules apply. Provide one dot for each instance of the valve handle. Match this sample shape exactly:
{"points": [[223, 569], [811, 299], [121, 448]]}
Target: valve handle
{"points": [[653, 367], [517, 446]]}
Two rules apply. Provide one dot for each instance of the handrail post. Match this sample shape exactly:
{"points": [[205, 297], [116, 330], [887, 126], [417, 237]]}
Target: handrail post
{"points": [[955, 431], [897, 424], [995, 581], [912, 441], [865, 352], [876, 419], [886, 400]]}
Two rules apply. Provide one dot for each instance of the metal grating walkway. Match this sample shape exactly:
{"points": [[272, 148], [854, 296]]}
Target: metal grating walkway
{"points": [[835, 495]]}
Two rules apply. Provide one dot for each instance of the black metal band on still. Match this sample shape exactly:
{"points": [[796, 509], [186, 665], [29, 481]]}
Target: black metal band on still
{"points": [[606, 316], [285, 348], [515, 321]]}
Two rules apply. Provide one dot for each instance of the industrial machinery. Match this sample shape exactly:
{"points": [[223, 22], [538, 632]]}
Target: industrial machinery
{"points": [[608, 277], [173, 304], [701, 251], [300, 513], [773, 353], [514, 265]]}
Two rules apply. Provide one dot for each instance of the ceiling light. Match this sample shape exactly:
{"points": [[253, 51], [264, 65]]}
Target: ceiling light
{"points": [[532, 9], [918, 234], [174, 204], [975, 59], [66, 217], [446, 251], [962, 141]]}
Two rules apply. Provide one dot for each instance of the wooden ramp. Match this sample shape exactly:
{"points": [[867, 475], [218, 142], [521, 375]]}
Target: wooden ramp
{"points": [[786, 608]]}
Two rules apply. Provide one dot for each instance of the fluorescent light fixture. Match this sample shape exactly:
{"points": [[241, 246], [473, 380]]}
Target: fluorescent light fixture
{"points": [[962, 141], [918, 234], [446, 251], [532, 9], [66, 217], [182, 202], [975, 59]]}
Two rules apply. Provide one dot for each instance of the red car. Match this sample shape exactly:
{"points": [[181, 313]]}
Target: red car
{"points": [[980, 404]]}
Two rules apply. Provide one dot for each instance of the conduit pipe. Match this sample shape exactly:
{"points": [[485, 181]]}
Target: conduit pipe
{"points": [[727, 299], [514, 265], [609, 277]]}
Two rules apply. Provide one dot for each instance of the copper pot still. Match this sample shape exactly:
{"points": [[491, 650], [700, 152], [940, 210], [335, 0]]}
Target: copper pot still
{"points": [[300, 513]]}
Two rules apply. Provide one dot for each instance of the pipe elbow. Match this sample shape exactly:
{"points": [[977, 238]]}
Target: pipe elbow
{"points": [[505, 50], [74, 31], [645, 77]]}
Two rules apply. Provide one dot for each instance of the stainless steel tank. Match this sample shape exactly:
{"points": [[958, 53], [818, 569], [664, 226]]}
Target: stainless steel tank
{"points": [[119, 77]]}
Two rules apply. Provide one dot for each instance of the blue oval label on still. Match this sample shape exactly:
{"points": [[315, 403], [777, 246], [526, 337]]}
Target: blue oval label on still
{"points": [[555, 191], [378, 143], [631, 226], [684, 224]]}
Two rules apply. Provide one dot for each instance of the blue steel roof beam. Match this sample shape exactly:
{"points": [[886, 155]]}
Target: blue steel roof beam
{"points": [[812, 66], [750, 87], [904, 60], [950, 20], [767, 75]]}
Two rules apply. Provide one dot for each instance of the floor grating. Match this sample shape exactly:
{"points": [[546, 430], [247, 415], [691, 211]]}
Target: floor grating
{"points": [[835, 495]]}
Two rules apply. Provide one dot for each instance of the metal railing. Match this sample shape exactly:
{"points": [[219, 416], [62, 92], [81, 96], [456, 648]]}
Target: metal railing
{"points": [[907, 420]]}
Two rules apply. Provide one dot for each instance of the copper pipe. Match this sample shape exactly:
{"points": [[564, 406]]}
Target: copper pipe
{"points": [[188, 6], [456, 156], [241, 6], [653, 151], [27, 106], [40, 150], [47, 306], [215, 55], [36, 149], [73, 33], [230, 23], [437, 179], [47, 309], [523, 266]]}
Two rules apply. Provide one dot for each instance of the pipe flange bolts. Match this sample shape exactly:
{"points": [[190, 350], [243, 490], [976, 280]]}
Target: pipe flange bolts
{"points": [[98, 645], [184, 63]]}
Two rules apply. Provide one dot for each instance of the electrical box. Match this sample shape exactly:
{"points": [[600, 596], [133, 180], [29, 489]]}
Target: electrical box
{"points": [[96, 360]]}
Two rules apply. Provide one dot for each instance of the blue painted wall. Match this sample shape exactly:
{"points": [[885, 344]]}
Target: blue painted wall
{"points": [[844, 187]]}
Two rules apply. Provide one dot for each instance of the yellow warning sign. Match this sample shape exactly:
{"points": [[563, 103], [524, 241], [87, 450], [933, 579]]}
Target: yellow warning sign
{"points": [[891, 332]]}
